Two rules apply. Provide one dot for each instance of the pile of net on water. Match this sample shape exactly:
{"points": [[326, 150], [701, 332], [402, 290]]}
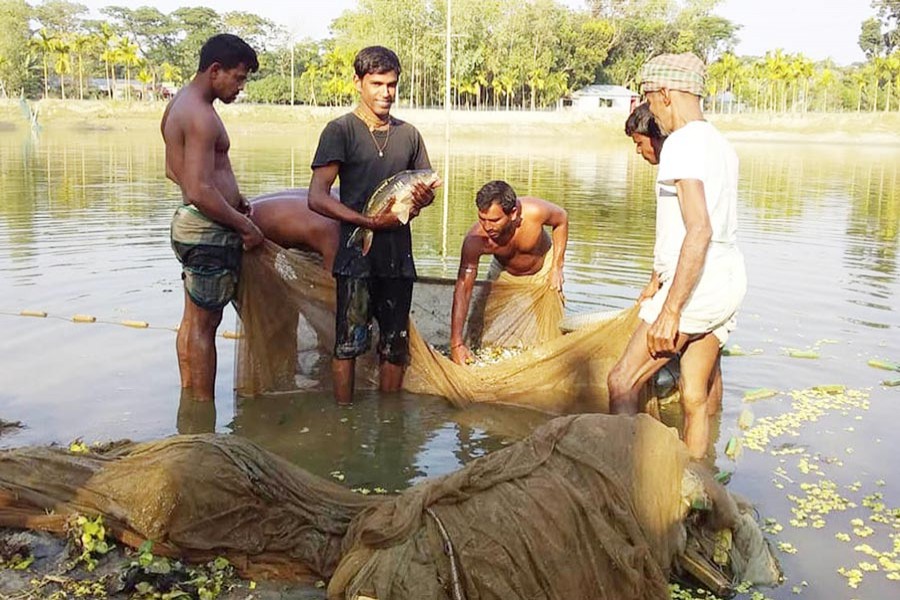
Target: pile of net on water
{"points": [[287, 310], [588, 506]]}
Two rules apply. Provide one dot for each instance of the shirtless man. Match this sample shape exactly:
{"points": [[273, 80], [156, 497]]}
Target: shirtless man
{"points": [[285, 218], [211, 228], [512, 230]]}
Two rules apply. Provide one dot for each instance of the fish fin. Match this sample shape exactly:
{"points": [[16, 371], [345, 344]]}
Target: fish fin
{"points": [[367, 237], [402, 213]]}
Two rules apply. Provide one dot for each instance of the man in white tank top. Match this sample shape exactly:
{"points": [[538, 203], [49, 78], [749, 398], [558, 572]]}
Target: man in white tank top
{"points": [[698, 279]]}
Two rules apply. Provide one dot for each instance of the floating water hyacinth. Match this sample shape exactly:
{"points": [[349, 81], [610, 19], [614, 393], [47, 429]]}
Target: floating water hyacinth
{"points": [[798, 353], [883, 364], [831, 389], [745, 420], [733, 448], [759, 394], [733, 351]]}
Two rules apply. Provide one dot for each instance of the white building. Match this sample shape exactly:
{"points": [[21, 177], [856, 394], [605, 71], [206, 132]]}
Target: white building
{"points": [[594, 97]]}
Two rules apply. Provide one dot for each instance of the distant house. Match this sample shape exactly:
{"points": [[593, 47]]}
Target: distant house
{"points": [[594, 97]]}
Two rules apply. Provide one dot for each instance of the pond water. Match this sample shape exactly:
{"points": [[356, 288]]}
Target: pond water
{"points": [[84, 230]]}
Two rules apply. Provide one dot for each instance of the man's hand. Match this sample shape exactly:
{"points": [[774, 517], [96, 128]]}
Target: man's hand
{"points": [[251, 235], [461, 354], [556, 279], [662, 334], [385, 219], [422, 196]]}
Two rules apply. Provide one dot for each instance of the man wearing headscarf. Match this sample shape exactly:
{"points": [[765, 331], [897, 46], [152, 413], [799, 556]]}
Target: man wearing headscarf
{"points": [[698, 279]]}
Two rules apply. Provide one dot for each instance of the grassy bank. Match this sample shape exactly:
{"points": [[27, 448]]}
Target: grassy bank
{"points": [[878, 128]]}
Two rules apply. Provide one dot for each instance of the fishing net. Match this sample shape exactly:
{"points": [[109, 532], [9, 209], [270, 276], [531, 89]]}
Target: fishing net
{"points": [[287, 308], [586, 504]]}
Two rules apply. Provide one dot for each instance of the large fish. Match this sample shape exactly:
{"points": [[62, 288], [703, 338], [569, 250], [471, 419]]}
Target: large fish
{"points": [[399, 187]]}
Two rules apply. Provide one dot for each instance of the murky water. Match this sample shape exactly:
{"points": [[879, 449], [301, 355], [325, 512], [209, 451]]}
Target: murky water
{"points": [[84, 230]]}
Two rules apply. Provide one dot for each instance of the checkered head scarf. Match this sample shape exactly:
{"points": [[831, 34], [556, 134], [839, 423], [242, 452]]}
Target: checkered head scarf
{"points": [[677, 72]]}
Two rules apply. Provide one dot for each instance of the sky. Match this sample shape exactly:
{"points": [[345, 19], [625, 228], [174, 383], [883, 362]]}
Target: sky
{"points": [[819, 28]]}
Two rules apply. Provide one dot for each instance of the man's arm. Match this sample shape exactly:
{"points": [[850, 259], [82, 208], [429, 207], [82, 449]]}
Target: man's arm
{"points": [[462, 294], [198, 184], [558, 219], [698, 233], [322, 202]]}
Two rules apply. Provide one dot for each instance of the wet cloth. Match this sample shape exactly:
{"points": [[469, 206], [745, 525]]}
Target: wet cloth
{"points": [[499, 322], [678, 72], [698, 151], [359, 299], [709, 309], [210, 255]]}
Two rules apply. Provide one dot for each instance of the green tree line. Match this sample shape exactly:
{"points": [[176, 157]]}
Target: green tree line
{"points": [[524, 54]]}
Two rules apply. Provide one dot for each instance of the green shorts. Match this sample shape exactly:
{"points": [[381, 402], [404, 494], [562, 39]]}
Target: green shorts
{"points": [[210, 255]]}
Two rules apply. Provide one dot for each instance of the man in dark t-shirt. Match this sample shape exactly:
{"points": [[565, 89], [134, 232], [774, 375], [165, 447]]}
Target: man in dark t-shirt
{"points": [[363, 148]]}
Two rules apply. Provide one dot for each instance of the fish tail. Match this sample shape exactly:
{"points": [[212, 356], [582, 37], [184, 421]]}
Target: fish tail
{"points": [[355, 237], [363, 236], [367, 237]]}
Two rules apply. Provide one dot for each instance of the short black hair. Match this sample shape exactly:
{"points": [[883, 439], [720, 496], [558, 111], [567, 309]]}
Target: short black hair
{"points": [[498, 192], [375, 59], [641, 121], [228, 50]]}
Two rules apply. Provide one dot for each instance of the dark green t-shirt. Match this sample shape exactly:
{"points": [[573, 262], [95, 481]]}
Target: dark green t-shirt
{"points": [[348, 141]]}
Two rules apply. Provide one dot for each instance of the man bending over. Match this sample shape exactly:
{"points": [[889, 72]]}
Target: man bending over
{"points": [[511, 229]]}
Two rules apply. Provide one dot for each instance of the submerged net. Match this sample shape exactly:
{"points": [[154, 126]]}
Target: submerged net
{"points": [[287, 310], [587, 502]]}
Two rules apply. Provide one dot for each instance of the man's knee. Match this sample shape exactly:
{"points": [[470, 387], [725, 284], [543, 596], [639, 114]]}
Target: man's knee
{"points": [[694, 394]]}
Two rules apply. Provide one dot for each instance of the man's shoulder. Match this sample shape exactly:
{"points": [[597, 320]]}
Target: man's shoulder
{"points": [[403, 126]]}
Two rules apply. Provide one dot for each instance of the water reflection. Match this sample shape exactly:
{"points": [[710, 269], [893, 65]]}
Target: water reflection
{"points": [[383, 440]]}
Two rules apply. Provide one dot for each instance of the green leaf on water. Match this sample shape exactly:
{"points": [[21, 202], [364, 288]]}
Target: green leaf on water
{"points": [[797, 353], [831, 389], [733, 351], [745, 420], [891, 382], [733, 448], [883, 364], [759, 394]]}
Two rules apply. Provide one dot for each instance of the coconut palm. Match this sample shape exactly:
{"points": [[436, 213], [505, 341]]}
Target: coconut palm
{"points": [[43, 44], [126, 53], [104, 37], [801, 69], [826, 79], [63, 63], [82, 44], [146, 77]]}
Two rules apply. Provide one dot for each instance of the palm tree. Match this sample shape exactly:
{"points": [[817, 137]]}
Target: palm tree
{"points": [[802, 68], [146, 77], [63, 64], [777, 74], [127, 54], [826, 80], [43, 44], [886, 68], [858, 78], [103, 38], [82, 43]]}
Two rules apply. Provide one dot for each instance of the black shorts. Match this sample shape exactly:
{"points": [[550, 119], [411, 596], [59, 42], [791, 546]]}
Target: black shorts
{"points": [[388, 299]]}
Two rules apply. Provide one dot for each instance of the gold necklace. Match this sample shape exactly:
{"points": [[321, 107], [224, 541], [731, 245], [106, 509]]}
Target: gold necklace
{"points": [[372, 127]]}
